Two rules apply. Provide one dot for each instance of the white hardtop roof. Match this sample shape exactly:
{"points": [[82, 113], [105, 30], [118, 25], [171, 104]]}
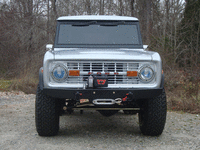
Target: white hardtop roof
{"points": [[98, 17]]}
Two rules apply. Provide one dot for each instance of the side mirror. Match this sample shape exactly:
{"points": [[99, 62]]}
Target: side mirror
{"points": [[49, 47], [145, 47]]}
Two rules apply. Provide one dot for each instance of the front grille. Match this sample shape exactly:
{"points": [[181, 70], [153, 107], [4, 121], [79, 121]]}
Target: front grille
{"points": [[115, 72]]}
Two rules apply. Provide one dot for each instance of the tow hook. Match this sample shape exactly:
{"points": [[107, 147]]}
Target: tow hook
{"points": [[78, 96], [128, 98], [124, 99]]}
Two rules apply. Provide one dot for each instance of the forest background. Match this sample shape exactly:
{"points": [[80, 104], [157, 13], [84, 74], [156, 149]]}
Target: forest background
{"points": [[170, 27]]}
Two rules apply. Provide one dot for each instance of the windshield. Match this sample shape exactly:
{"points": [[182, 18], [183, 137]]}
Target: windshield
{"points": [[97, 34]]}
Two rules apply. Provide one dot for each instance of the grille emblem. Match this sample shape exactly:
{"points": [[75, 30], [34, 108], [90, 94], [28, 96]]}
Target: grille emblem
{"points": [[101, 81]]}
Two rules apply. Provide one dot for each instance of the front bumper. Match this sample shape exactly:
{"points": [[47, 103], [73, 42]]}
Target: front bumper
{"points": [[102, 93]]}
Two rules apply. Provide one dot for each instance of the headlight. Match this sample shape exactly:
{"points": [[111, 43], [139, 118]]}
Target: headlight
{"points": [[59, 73], [146, 74]]}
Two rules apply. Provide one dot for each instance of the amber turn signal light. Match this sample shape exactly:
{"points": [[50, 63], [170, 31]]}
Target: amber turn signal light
{"points": [[74, 72], [132, 73]]}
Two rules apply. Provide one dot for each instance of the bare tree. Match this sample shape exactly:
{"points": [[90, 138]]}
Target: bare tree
{"points": [[132, 7], [88, 7], [101, 8]]}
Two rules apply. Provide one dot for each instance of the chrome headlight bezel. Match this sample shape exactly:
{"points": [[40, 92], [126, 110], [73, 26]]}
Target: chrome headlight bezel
{"points": [[144, 78], [64, 73]]}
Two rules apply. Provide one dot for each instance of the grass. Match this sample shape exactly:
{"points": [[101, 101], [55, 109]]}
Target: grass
{"points": [[183, 90], [180, 101], [183, 97], [27, 84], [5, 84]]}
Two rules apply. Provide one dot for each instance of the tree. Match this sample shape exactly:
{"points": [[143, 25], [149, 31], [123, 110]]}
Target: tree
{"points": [[132, 7], [190, 33]]}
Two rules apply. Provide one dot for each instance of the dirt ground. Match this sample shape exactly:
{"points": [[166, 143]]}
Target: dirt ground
{"points": [[90, 130]]}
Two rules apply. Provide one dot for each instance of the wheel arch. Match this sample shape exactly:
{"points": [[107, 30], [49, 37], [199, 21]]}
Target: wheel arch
{"points": [[162, 80], [41, 84]]}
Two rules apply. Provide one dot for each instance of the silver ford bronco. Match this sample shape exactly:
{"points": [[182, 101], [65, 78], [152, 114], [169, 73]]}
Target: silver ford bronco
{"points": [[100, 63]]}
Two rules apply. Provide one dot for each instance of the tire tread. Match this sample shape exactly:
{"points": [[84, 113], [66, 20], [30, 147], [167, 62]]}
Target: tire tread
{"points": [[154, 115], [46, 114]]}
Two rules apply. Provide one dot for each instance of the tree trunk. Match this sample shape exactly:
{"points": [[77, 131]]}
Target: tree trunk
{"points": [[30, 17], [53, 3], [120, 8], [100, 7], [148, 17], [48, 38], [132, 7], [88, 7]]}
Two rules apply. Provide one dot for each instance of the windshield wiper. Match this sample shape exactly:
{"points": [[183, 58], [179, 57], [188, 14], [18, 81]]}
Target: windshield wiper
{"points": [[84, 24], [112, 23]]}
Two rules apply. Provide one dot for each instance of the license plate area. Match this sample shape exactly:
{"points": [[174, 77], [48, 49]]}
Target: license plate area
{"points": [[84, 101]]}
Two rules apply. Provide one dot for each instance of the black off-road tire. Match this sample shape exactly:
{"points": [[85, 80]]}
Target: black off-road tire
{"points": [[152, 116], [46, 114]]}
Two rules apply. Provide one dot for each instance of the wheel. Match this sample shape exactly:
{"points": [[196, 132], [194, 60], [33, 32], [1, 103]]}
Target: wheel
{"points": [[108, 113], [152, 116], [130, 112], [46, 114]]}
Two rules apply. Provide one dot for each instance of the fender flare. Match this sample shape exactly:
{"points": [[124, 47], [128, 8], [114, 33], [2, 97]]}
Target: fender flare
{"points": [[41, 84], [162, 80]]}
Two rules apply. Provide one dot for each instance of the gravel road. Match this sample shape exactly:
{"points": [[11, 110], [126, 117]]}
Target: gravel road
{"points": [[90, 130]]}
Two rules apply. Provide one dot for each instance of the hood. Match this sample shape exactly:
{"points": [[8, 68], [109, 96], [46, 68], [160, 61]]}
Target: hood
{"points": [[103, 54]]}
